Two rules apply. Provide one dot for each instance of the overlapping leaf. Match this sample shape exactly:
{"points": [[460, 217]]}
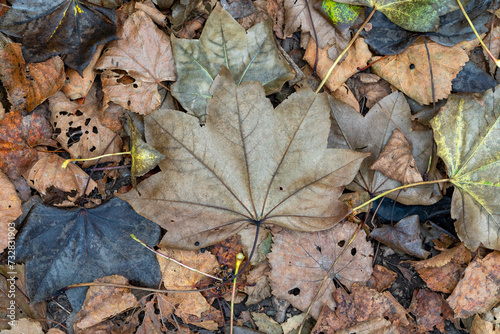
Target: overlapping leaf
{"points": [[59, 27], [250, 163], [250, 56], [467, 134]]}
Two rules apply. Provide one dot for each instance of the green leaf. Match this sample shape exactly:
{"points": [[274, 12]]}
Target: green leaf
{"points": [[250, 56], [340, 13], [467, 134], [59, 27], [413, 15]]}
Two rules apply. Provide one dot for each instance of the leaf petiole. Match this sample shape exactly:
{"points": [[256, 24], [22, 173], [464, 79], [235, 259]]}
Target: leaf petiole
{"points": [[239, 259], [67, 161]]}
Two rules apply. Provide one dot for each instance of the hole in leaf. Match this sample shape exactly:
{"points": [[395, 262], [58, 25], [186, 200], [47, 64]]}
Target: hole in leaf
{"points": [[94, 130], [318, 248], [281, 188], [87, 121], [78, 113], [412, 66], [63, 113], [294, 291], [92, 149], [135, 85], [341, 243], [353, 251], [128, 103], [73, 135], [196, 243]]}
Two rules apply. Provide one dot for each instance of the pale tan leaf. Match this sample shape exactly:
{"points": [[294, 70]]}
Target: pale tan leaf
{"points": [[25, 326], [10, 209], [249, 164], [480, 326], [396, 160], [299, 261], [77, 86], [144, 53]]}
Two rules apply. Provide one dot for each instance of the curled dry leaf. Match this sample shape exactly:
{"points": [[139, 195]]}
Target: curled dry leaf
{"points": [[10, 209], [409, 71], [479, 290], [250, 164], [28, 85], [404, 236], [103, 302], [480, 326], [370, 133], [81, 132], [357, 57], [396, 160], [443, 271], [472, 158], [249, 56], [382, 278], [47, 172], [135, 64], [369, 86], [300, 261]]}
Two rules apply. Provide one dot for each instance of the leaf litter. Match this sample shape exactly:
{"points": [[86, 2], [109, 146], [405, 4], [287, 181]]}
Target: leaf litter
{"points": [[268, 183]]}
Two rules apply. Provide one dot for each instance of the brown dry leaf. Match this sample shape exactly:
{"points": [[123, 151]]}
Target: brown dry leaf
{"points": [[135, 64], [479, 290], [369, 86], [299, 261], [28, 85], [81, 132], [226, 251], [494, 46], [151, 323], [344, 94], [257, 285], [370, 133], [443, 272], [480, 326], [404, 236], [196, 311], [103, 302], [77, 86], [10, 209], [430, 309], [358, 56], [396, 160], [25, 326], [47, 172], [250, 164], [382, 278], [363, 304], [266, 324], [409, 71], [2, 111]]}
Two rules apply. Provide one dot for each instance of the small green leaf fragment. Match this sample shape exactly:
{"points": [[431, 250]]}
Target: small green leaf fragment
{"points": [[340, 13]]}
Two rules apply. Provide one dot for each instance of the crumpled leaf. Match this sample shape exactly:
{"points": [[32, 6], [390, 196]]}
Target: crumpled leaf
{"points": [[388, 38], [404, 237], [410, 72], [144, 53], [10, 209], [28, 85], [382, 278], [467, 134], [80, 128], [370, 133], [249, 56], [413, 15], [300, 261], [479, 289], [59, 27], [47, 172], [63, 247], [431, 310], [396, 160], [249, 164]]}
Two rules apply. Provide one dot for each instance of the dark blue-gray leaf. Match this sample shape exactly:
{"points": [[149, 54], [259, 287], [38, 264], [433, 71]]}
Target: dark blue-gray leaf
{"points": [[62, 247], [472, 79]]}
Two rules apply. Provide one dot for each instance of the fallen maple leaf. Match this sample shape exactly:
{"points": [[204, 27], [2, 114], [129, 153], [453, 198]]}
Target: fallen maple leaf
{"points": [[249, 56], [396, 160], [404, 236], [135, 64], [299, 262], [250, 164], [370, 133], [56, 27], [28, 85], [409, 70], [479, 289], [467, 135], [10, 209]]}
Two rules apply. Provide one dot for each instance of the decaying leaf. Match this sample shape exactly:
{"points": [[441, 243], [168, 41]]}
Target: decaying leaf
{"points": [[103, 302], [25, 325], [59, 27], [467, 134], [10, 209], [250, 164], [404, 236], [410, 72], [47, 172], [299, 261], [370, 133], [249, 56], [396, 160], [443, 271], [382, 278], [135, 64], [430, 309], [479, 290], [81, 132], [28, 85]]}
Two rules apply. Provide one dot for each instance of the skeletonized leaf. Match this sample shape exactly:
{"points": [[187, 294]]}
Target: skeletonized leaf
{"points": [[249, 56], [467, 134], [249, 164]]}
